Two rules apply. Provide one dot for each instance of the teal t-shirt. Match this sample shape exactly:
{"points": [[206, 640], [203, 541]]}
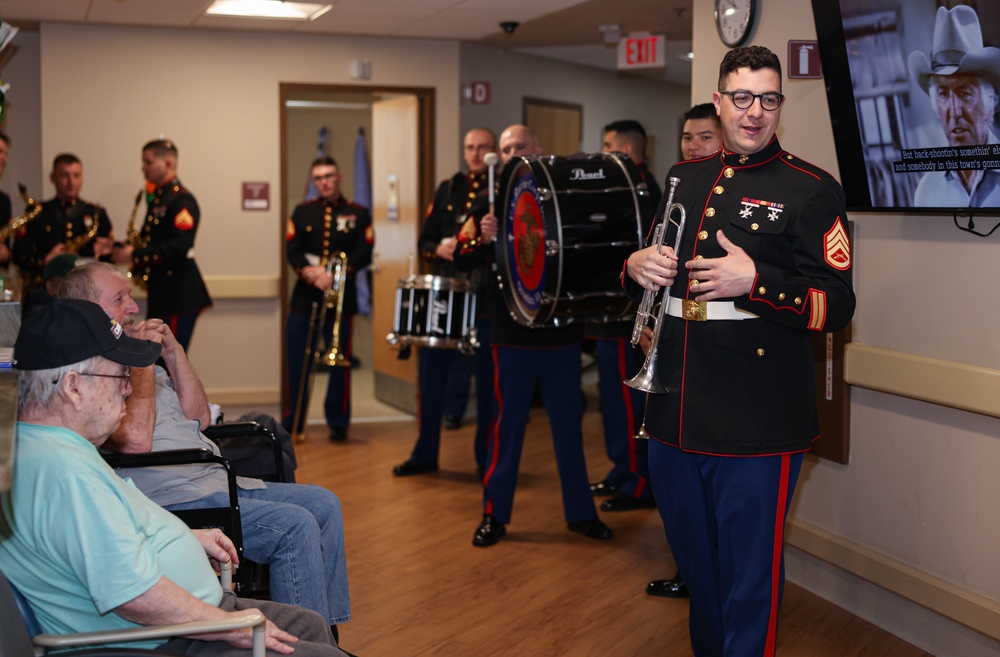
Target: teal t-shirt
{"points": [[78, 541]]}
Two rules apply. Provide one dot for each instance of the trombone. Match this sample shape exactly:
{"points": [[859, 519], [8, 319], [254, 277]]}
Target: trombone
{"points": [[647, 379], [333, 299]]}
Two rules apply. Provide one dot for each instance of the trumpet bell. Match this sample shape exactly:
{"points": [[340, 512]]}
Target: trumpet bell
{"points": [[646, 380], [336, 358]]}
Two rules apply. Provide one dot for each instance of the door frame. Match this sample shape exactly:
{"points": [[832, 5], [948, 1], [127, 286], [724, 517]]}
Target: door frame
{"points": [[425, 154]]}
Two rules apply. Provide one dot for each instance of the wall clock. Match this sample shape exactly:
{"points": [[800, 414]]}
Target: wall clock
{"points": [[733, 19]]}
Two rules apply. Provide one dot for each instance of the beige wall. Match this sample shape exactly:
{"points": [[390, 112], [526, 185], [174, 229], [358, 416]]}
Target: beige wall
{"points": [[918, 500], [22, 120], [605, 97], [108, 90]]}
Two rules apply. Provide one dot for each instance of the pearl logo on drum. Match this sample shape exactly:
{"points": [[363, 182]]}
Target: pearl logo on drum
{"points": [[580, 174], [439, 312]]}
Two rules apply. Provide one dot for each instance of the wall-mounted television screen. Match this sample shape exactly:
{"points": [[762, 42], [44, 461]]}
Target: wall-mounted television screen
{"points": [[912, 88]]}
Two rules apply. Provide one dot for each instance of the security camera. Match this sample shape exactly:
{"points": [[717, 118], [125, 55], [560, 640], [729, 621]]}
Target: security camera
{"points": [[509, 26]]}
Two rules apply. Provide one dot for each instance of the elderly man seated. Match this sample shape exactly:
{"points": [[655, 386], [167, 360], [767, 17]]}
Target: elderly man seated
{"points": [[88, 550], [297, 529]]}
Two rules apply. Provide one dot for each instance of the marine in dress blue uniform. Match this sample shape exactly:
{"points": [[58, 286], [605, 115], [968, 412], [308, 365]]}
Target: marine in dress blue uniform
{"points": [[5, 207], [5, 217], [522, 357], [449, 224], [161, 253], [317, 230], [59, 222], [622, 407], [727, 441], [444, 221], [165, 259], [65, 224], [701, 136]]}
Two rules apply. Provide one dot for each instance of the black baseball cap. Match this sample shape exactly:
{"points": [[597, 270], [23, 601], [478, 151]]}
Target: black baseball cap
{"points": [[68, 331], [61, 265]]}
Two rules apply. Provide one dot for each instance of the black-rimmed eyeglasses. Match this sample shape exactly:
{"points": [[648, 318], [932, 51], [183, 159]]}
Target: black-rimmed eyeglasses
{"points": [[744, 99], [124, 376]]}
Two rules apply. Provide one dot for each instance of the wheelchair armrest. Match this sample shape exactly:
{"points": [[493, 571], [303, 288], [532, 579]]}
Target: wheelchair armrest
{"points": [[255, 619], [166, 457], [234, 433], [176, 457], [234, 430]]}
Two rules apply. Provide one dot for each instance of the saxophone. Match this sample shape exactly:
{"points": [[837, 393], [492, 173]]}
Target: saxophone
{"points": [[74, 244], [135, 239], [23, 219]]}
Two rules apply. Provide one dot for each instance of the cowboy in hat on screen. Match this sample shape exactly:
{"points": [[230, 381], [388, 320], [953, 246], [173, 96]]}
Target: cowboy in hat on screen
{"points": [[961, 77]]}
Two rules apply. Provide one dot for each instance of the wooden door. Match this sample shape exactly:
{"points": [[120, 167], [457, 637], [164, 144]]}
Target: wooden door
{"points": [[396, 217], [558, 126]]}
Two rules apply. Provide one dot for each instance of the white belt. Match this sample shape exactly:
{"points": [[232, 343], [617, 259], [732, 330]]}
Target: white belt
{"points": [[704, 311]]}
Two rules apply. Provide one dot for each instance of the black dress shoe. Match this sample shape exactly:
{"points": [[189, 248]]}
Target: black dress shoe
{"points": [[338, 434], [668, 588], [452, 422], [603, 488], [489, 532], [591, 529], [408, 468], [622, 502]]}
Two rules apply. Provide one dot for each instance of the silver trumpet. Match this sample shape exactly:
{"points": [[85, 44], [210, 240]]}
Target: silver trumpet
{"points": [[647, 379]]}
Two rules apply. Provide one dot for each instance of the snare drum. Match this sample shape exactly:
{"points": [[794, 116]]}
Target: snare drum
{"points": [[434, 311], [566, 227]]}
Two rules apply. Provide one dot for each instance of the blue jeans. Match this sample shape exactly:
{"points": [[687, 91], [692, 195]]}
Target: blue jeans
{"points": [[299, 530]]}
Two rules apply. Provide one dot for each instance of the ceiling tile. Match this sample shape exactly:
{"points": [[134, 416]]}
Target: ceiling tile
{"points": [[40, 10]]}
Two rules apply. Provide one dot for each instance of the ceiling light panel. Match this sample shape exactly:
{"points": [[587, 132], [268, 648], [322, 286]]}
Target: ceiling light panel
{"points": [[274, 9]]}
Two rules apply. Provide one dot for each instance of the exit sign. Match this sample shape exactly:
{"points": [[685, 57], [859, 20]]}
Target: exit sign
{"points": [[645, 50]]}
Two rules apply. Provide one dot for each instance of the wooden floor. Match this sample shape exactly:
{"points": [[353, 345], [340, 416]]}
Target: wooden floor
{"points": [[419, 587]]}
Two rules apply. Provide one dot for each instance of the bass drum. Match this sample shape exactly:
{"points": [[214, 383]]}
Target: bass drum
{"points": [[434, 311], [566, 226]]}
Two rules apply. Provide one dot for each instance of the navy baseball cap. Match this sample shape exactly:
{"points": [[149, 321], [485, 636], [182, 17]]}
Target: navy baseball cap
{"points": [[68, 331]]}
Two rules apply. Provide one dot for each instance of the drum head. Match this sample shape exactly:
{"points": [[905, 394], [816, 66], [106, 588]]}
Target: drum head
{"points": [[524, 273], [566, 225]]}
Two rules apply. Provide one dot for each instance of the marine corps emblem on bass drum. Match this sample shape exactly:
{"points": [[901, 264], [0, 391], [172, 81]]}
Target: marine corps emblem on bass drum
{"points": [[566, 226]]}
